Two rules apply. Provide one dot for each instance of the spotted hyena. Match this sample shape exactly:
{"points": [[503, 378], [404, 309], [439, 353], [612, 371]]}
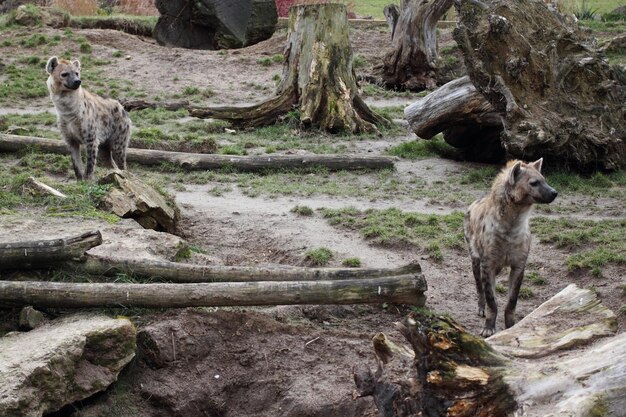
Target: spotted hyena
{"points": [[497, 233], [101, 124]]}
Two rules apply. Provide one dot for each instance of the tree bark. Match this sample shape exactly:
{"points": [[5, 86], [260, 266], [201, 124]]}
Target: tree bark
{"points": [[407, 289], [558, 96], [411, 64], [137, 104], [43, 253], [180, 272], [522, 370], [192, 161], [318, 78], [466, 118]]}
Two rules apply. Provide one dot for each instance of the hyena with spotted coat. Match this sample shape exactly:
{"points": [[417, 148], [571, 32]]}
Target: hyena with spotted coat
{"points": [[497, 233], [101, 124]]}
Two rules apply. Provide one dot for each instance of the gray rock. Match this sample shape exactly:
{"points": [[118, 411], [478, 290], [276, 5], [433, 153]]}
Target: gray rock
{"points": [[62, 362], [31, 318]]}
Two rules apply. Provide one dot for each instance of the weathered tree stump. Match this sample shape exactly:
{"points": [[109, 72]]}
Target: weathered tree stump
{"points": [[318, 78], [466, 118], [558, 97], [520, 371], [214, 24], [411, 63], [132, 198]]}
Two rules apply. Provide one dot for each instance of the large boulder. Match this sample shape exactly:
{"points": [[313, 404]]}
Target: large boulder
{"points": [[62, 362], [557, 94], [214, 24]]}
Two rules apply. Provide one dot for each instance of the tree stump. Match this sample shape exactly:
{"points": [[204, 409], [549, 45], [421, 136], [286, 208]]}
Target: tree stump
{"points": [[318, 78], [411, 64], [214, 24], [524, 370], [558, 96]]}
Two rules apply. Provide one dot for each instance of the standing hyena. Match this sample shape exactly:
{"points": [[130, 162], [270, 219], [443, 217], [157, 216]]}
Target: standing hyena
{"points": [[84, 118], [497, 233]]}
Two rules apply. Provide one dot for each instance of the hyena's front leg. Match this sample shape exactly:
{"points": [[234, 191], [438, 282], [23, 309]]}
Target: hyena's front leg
{"points": [[92, 153], [515, 282], [76, 162], [488, 276], [479, 286]]}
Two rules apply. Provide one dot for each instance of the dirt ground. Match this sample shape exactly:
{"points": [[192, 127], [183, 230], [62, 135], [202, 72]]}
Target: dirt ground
{"points": [[297, 360]]}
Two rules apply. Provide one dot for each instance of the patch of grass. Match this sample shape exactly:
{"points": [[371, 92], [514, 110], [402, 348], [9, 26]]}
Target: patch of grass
{"points": [[264, 62], [501, 289], [117, 54], [391, 227], [35, 40], [622, 310], [536, 279], [278, 58], [302, 210], [319, 257], [595, 243], [420, 149], [85, 47], [526, 293], [482, 176], [598, 184], [351, 262], [358, 61], [22, 82], [190, 91]]}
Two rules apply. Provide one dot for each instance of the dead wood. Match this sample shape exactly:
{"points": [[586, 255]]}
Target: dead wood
{"points": [[459, 374], [44, 188], [44, 253], [407, 289], [318, 79], [138, 104], [466, 118], [557, 94], [192, 161], [122, 24], [181, 272]]}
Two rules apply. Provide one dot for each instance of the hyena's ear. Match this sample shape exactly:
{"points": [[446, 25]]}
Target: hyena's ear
{"points": [[76, 63], [52, 64], [515, 172], [537, 164]]}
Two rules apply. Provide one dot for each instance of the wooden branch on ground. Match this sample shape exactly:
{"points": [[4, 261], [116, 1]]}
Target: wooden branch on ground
{"points": [[192, 161], [407, 289], [41, 253], [522, 370], [180, 272], [137, 104], [44, 188], [129, 26]]}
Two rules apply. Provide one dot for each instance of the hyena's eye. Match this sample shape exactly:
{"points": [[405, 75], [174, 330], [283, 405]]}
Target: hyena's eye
{"points": [[64, 74], [534, 183]]}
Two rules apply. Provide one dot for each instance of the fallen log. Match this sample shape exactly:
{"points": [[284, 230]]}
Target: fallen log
{"points": [[192, 161], [40, 187], [131, 26], [466, 118], [43, 253], [523, 370], [138, 104], [180, 272], [407, 289]]}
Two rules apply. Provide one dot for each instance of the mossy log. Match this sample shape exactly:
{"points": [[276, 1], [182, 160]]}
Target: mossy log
{"points": [[44, 253], [181, 272], [466, 118], [406, 289], [459, 374], [411, 63], [195, 161], [557, 94], [318, 78]]}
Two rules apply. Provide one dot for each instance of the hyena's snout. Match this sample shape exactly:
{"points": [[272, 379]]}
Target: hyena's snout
{"points": [[73, 84], [547, 194]]}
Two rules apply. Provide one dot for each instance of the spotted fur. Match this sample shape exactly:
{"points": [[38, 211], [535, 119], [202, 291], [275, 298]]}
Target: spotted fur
{"points": [[498, 235], [101, 124]]}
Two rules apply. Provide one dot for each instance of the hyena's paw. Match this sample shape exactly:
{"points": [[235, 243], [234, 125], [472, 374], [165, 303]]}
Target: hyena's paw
{"points": [[481, 311], [509, 321], [487, 331]]}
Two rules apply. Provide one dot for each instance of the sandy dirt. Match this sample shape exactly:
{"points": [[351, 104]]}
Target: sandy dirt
{"points": [[287, 361]]}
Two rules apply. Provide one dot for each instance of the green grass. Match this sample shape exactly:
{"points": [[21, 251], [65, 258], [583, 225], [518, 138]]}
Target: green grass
{"points": [[591, 244], [351, 262], [535, 278], [525, 293], [302, 210], [319, 257], [22, 82], [420, 149], [393, 227]]}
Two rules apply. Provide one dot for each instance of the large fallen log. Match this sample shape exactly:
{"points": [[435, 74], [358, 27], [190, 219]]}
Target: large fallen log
{"points": [[466, 118], [193, 161], [180, 272], [43, 253], [407, 289], [459, 374]]}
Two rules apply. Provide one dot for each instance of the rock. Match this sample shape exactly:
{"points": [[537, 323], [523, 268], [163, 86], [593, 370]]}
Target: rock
{"points": [[27, 15], [30, 318], [214, 24], [62, 362], [132, 198], [616, 45]]}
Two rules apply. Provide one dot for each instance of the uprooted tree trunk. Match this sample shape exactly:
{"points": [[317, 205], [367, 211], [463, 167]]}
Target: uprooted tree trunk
{"points": [[411, 63], [466, 118], [557, 95], [318, 78], [520, 370]]}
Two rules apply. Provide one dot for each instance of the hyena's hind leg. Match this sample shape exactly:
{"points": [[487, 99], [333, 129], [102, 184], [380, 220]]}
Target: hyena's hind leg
{"points": [[489, 282], [92, 155], [516, 277], [74, 147], [105, 157], [119, 146], [480, 291]]}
